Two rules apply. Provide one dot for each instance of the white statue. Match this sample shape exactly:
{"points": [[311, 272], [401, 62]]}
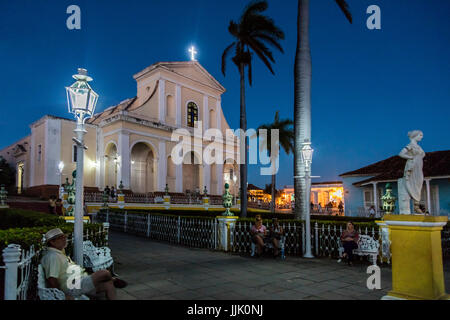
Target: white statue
{"points": [[410, 186]]}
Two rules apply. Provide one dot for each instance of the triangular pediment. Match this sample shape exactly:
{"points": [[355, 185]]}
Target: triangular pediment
{"points": [[188, 69]]}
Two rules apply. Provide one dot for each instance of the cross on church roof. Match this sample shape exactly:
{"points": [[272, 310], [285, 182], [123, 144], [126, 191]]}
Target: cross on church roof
{"points": [[193, 53]]}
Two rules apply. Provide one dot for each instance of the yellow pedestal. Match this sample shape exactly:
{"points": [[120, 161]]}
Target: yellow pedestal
{"points": [[72, 219], [417, 270]]}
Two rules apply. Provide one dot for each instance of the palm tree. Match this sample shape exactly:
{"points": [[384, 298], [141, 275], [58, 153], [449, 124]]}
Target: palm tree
{"points": [[286, 141], [253, 34], [302, 97]]}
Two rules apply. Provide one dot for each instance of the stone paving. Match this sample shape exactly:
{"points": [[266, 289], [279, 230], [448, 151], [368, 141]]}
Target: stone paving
{"points": [[161, 271]]}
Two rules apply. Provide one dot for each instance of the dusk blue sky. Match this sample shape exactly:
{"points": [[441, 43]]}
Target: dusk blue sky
{"points": [[369, 87]]}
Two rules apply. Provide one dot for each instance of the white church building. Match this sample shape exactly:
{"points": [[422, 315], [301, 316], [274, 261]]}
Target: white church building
{"points": [[132, 141]]}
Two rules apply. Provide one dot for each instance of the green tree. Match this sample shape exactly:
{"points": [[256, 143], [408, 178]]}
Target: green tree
{"points": [[302, 97], [7, 174], [285, 141], [253, 34]]}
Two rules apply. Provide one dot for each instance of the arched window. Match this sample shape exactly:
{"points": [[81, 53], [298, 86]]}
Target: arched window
{"points": [[192, 114]]}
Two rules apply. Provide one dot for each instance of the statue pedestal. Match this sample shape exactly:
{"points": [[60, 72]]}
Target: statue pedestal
{"points": [[121, 200], [417, 270], [385, 237], [206, 203], [224, 234]]}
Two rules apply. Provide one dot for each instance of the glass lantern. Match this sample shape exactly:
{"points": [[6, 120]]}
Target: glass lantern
{"points": [[307, 154], [81, 99]]}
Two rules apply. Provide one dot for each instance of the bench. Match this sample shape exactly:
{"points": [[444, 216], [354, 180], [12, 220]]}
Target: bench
{"points": [[51, 293], [93, 257], [367, 246], [269, 245], [96, 258]]}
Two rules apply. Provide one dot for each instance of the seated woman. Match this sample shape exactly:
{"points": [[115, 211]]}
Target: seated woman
{"points": [[258, 233], [276, 232], [349, 239]]}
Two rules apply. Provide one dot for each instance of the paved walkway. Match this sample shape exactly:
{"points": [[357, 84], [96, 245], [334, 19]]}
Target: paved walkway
{"points": [[161, 271]]}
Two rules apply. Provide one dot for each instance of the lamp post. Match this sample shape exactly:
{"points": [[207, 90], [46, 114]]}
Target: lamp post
{"points": [[60, 171], [234, 180], [81, 100], [307, 154]]}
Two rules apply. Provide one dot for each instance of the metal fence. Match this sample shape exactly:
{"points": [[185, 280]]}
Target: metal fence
{"points": [[241, 239], [187, 231], [325, 238]]}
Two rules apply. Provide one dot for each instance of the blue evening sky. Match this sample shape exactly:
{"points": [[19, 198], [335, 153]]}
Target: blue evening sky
{"points": [[369, 87]]}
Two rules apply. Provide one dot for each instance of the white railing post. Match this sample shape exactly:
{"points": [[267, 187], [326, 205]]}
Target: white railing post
{"points": [[106, 230], [179, 229], [148, 226], [11, 258], [125, 222], [107, 215], [316, 234], [215, 234], [303, 238]]}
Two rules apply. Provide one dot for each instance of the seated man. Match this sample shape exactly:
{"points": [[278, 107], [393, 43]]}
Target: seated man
{"points": [[61, 271]]}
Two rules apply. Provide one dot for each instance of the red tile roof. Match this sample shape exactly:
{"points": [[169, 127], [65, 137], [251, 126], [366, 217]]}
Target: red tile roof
{"points": [[435, 164]]}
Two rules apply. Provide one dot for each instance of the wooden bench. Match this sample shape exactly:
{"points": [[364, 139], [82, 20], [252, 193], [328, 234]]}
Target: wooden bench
{"points": [[269, 245], [367, 246]]}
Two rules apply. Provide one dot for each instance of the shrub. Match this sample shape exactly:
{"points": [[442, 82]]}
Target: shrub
{"points": [[17, 218]]}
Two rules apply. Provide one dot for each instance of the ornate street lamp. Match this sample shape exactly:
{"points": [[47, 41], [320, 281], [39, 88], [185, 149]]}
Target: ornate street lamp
{"points": [[81, 100], [307, 154]]}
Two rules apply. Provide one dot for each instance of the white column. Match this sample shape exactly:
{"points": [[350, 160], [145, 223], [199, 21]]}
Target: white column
{"points": [[206, 123], [206, 177], [162, 167], [32, 157], [178, 105], [124, 171], [220, 182], [375, 196], [52, 151], [100, 169], [429, 196], [179, 178], [219, 114], [162, 100]]}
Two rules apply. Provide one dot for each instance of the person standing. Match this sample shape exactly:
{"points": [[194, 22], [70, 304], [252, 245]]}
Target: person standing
{"points": [[113, 193], [341, 208], [52, 205]]}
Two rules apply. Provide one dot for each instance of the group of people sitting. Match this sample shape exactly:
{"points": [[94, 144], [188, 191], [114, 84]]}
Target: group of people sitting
{"points": [[261, 236]]}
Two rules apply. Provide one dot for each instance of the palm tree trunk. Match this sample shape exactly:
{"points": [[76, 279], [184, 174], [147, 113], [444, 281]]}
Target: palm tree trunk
{"points": [[244, 158], [302, 108], [274, 179]]}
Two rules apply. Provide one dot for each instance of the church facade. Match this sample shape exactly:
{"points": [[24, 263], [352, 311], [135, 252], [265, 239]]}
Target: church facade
{"points": [[132, 142]]}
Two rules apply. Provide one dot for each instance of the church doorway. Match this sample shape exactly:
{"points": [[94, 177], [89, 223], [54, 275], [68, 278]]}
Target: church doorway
{"points": [[20, 172], [191, 173], [111, 165], [142, 168]]}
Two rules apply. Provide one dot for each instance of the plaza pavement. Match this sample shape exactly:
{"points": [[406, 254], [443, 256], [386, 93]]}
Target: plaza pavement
{"points": [[161, 271]]}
